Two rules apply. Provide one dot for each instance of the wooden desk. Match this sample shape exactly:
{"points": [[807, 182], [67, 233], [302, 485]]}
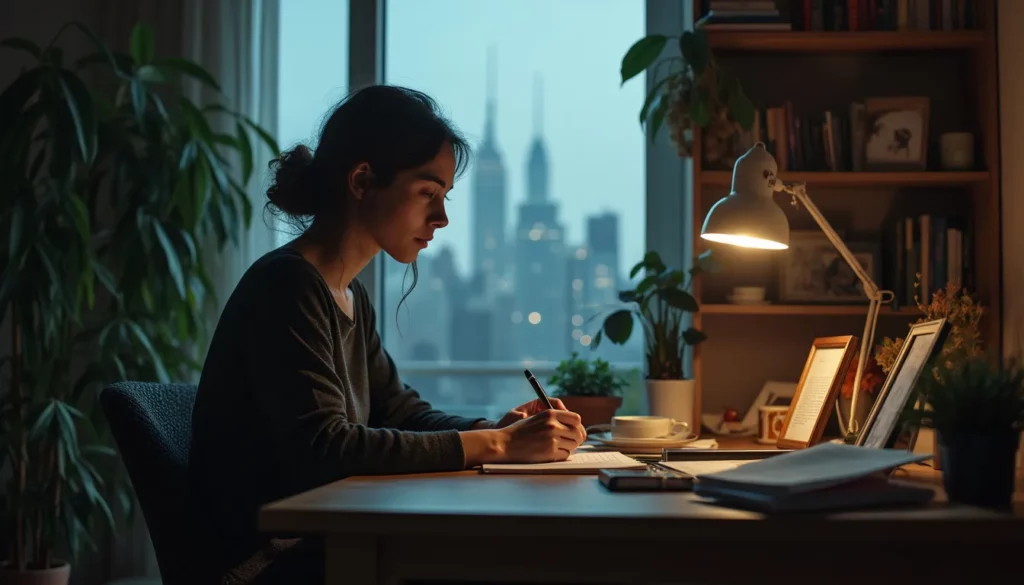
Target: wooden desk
{"points": [[478, 528]]}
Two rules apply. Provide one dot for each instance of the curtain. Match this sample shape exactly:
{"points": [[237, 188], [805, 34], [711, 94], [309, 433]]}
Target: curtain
{"points": [[237, 41]]}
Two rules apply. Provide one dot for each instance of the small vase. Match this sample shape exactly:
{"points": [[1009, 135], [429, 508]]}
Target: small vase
{"points": [[979, 468], [593, 410], [675, 399], [59, 574]]}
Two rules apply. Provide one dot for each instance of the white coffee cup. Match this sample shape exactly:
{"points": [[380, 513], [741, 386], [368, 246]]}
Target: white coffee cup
{"points": [[647, 427]]}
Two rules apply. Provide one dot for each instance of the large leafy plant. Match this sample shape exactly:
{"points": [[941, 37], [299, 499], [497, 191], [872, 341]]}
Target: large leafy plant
{"points": [[691, 90], [660, 301], [576, 376], [114, 183]]}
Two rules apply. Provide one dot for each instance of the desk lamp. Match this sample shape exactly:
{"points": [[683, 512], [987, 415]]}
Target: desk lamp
{"points": [[749, 218]]}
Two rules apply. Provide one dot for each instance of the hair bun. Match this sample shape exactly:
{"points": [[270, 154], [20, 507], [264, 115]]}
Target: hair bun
{"points": [[293, 191]]}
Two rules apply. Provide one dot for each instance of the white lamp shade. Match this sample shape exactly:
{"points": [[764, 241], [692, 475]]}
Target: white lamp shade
{"points": [[748, 216]]}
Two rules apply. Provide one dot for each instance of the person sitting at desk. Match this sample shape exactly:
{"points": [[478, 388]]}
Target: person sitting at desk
{"points": [[297, 389]]}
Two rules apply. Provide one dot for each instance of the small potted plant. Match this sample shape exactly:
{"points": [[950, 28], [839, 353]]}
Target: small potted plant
{"points": [[661, 301], [691, 90], [589, 388], [976, 407]]}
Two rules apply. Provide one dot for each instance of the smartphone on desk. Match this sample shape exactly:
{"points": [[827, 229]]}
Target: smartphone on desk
{"points": [[650, 479]]}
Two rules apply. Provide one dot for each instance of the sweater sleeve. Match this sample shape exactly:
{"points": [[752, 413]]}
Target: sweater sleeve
{"points": [[394, 403], [292, 353]]}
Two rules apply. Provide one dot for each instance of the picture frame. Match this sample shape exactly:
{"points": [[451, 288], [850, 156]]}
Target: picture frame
{"points": [[812, 271], [896, 133], [923, 342], [817, 390]]}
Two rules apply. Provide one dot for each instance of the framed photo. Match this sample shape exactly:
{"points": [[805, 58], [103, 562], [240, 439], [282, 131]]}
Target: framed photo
{"points": [[817, 390], [896, 133], [812, 271], [922, 344]]}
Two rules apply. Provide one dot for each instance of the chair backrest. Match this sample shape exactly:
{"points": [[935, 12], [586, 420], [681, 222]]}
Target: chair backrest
{"points": [[152, 426]]}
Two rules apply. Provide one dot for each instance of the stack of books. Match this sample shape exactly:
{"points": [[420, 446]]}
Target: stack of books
{"points": [[743, 15], [827, 476]]}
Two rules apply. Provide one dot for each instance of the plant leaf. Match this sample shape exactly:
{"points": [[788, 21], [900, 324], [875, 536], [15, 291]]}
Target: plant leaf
{"points": [[700, 111], [693, 336], [158, 362], [24, 45], [696, 52], [173, 265], [619, 326], [264, 135], [640, 56], [80, 105], [245, 150], [186, 67], [651, 95], [143, 45], [657, 117], [741, 107], [679, 299]]}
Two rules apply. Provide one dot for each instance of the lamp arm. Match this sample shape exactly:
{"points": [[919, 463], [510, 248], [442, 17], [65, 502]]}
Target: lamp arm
{"points": [[799, 192], [875, 295]]}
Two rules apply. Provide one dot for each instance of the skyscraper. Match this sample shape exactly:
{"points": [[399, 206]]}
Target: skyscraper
{"points": [[540, 269], [488, 202]]}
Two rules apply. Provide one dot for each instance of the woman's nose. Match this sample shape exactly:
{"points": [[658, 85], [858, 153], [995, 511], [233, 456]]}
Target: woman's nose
{"points": [[439, 219]]}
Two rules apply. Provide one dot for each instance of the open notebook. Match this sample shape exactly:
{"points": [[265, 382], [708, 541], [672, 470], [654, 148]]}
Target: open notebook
{"points": [[578, 463]]}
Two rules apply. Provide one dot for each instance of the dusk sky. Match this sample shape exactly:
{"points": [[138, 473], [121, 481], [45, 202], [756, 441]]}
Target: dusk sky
{"points": [[594, 141]]}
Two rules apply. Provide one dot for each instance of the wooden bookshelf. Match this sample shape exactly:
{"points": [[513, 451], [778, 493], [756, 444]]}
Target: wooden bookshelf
{"points": [[808, 310], [861, 42], [819, 71], [864, 179]]}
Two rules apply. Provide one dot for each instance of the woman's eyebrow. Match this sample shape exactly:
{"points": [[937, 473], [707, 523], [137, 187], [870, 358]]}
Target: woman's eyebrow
{"points": [[432, 177]]}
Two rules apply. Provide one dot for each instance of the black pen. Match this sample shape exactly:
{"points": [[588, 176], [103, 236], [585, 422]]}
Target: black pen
{"points": [[537, 388]]}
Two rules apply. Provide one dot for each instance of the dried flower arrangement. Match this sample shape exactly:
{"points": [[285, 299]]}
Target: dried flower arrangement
{"points": [[963, 342]]}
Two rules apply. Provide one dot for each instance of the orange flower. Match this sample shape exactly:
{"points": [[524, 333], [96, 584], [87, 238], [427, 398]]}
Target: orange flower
{"points": [[870, 381]]}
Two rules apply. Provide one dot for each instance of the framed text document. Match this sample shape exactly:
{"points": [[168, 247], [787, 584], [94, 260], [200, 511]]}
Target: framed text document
{"points": [[817, 390]]}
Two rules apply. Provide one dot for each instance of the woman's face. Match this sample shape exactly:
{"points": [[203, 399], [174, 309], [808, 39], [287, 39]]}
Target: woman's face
{"points": [[403, 216]]}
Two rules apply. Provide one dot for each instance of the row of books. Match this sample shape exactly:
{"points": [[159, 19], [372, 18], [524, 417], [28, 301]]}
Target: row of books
{"points": [[822, 141], [746, 15], [840, 15], [939, 248]]}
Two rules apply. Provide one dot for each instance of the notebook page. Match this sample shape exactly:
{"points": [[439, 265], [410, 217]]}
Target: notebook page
{"points": [[578, 462], [699, 468]]}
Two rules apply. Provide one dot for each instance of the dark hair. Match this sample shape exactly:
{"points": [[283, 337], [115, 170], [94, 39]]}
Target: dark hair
{"points": [[391, 128]]}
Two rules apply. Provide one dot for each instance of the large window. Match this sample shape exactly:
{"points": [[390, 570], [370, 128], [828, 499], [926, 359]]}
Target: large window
{"points": [[312, 73], [550, 216]]}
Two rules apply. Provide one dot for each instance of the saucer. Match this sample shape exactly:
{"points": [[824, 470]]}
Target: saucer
{"points": [[738, 301], [653, 445]]}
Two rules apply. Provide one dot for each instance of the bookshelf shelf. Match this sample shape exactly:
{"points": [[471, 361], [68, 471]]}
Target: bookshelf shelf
{"points": [[833, 41], [840, 179], [808, 310]]}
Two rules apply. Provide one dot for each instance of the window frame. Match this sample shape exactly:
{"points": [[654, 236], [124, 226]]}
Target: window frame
{"points": [[669, 216]]}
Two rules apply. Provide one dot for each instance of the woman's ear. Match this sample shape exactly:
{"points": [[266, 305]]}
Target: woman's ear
{"points": [[359, 180]]}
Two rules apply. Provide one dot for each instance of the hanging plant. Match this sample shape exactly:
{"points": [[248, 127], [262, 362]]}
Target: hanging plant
{"points": [[690, 91]]}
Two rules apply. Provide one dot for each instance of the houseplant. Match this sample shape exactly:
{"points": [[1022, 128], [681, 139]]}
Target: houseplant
{"points": [[963, 313], [977, 410], [660, 301], [690, 90], [115, 185], [588, 388]]}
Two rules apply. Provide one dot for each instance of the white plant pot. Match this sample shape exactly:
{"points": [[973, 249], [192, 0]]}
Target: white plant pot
{"points": [[674, 399]]}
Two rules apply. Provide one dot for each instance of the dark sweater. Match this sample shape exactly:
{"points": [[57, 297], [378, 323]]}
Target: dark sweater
{"points": [[295, 394]]}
